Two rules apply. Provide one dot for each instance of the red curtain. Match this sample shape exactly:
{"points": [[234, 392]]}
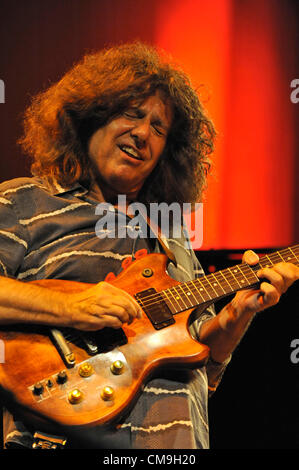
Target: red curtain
{"points": [[240, 55], [243, 54]]}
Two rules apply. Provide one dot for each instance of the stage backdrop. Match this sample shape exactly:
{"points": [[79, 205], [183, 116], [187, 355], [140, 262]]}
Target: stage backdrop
{"points": [[240, 55]]}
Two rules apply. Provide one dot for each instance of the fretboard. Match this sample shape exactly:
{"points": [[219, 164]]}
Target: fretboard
{"points": [[222, 283]]}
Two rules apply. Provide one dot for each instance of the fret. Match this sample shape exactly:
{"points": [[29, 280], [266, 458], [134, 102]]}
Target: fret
{"points": [[194, 284], [222, 274], [282, 257], [191, 292], [230, 278], [179, 297], [202, 289], [206, 278], [168, 300], [244, 281], [234, 277], [271, 262], [175, 298], [250, 275], [293, 254], [216, 285], [188, 293], [274, 258], [268, 261]]}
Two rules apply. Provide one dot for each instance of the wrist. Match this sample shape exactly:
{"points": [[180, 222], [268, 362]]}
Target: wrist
{"points": [[232, 314], [61, 307]]}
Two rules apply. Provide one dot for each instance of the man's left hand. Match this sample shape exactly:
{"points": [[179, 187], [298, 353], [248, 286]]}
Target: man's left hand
{"points": [[275, 281]]}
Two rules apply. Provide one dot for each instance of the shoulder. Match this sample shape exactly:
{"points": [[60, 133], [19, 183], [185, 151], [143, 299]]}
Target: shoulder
{"points": [[21, 184], [24, 196]]}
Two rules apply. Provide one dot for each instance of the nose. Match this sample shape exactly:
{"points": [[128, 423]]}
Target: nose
{"points": [[140, 132]]}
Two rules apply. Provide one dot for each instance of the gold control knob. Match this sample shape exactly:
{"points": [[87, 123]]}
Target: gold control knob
{"points": [[107, 393], [75, 396], [117, 367], [85, 370]]}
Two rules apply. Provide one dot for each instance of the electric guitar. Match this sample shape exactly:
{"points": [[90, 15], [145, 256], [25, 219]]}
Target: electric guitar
{"points": [[81, 379]]}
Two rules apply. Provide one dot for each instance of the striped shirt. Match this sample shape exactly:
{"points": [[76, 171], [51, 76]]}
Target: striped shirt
{"points": [[47, 231]]}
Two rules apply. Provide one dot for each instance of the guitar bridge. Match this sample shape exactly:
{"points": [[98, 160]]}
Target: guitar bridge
{"points": [[93, 343], [155, 308]]}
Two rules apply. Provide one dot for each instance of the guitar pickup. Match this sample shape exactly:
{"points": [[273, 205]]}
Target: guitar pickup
{"points": [[156, 309]]}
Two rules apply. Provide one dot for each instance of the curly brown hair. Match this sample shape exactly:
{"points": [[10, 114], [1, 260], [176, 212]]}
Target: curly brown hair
{"points": [[60, 121]]}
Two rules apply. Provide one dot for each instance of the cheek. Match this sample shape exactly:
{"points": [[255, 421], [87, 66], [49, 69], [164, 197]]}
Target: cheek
{"points": [[158, 152]]}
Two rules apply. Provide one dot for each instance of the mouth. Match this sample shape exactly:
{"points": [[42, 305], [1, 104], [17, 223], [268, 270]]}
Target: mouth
{"points": [[130, 151]]}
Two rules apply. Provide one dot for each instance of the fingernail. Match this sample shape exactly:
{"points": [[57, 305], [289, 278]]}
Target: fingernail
{"points": [[253, 257]]}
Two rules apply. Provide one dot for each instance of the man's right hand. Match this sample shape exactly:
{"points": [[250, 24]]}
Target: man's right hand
{"points": [[100, 306]]}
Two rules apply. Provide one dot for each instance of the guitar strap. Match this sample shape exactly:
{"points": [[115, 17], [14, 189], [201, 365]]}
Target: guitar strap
{"points": [[156, 230]]}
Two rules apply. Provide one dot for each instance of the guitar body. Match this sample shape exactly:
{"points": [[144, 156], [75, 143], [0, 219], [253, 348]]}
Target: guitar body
{"points": [[84, 401]]}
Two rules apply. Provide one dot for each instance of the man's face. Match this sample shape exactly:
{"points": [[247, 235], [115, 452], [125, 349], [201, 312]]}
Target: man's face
{"points": [[125, 151]]}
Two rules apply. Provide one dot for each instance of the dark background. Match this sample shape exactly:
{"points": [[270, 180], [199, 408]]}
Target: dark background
{"points": [[256, 406]]}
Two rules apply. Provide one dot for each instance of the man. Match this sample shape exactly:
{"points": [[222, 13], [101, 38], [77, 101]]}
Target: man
{"points": [[123, 121]]}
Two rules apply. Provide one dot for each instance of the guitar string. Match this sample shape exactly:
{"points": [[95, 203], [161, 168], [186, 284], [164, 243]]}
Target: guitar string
{"points": [[246, 270], [202, 288], [187, 290], [240, 271], [155, 298]]}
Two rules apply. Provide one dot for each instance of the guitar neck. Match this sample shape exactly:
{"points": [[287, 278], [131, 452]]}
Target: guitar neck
{"points": [[214, 286]]}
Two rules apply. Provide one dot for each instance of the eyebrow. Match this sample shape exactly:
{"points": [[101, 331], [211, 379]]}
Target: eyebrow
{"points": [[156, 119], [137, 108]]}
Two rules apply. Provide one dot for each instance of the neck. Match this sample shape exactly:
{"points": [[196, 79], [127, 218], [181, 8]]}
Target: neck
{"points": [[103, 193]]}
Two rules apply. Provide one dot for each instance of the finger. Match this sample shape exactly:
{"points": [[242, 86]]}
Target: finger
{"points": [[123, 298], [112, 310], [89, 322], [270, 295], [250, 257], [131, 306], [274, 278], [113, 322], [288, 271], [133, 303], [125, 303]]}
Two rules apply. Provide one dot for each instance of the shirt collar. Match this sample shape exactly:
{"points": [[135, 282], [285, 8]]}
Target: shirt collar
{"points": [[56, 189]]}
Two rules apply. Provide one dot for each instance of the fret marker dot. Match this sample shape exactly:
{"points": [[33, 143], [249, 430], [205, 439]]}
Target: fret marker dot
{"points": [[215, 283], [201, 288]]}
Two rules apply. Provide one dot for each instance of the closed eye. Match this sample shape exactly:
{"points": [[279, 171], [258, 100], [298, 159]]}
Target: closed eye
{"points": [[133, 113], [158, 129], [137, 113]]}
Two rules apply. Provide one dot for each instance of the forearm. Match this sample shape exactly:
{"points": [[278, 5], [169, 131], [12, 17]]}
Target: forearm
{"points": [[85, 308], [223, 332], [22, 302]]}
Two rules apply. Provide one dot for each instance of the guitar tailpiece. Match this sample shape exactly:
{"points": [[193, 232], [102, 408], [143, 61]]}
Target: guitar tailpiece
{"points": [[47, 441]]}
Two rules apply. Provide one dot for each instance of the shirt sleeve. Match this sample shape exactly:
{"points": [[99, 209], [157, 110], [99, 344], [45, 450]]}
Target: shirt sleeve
{"points": [[215, 370], [13, 238]]}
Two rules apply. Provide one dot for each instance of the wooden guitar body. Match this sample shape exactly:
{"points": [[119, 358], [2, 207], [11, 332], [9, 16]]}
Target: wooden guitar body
{"points": [[41, 387]]}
